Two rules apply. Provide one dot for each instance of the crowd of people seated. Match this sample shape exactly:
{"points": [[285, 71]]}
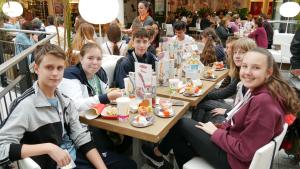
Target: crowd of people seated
{"points": [[44, 121]]}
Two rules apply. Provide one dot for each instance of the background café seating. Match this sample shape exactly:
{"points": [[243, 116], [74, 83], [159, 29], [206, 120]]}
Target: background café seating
{"points": [[262, 159], [109, 65], [283, 40]]}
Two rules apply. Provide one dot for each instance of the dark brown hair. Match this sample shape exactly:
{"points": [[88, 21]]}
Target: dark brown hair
{"points": [[114, 36], [209, 53], [141, 33], [48, 49]]}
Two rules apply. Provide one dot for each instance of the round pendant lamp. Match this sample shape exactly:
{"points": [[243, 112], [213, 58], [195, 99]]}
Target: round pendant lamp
{"points": [[98, 11], [12, 9], [289, 9]]}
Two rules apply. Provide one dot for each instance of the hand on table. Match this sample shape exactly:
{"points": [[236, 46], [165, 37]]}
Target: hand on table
{"points": [[218, 111], [114, 94], [208, 127]]}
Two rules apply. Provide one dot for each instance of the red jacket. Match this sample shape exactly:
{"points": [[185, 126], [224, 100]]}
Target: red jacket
{"points": [[260, 37], [256, 123]]}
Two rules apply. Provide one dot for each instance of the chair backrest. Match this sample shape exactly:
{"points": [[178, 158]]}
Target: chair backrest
{"points": [[109, 65], [278, 139], [263, 157]]}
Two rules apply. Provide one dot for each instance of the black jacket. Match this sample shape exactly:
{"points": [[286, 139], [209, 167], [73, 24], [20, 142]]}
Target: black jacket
{"points": [[295, 50], [127, 65]]}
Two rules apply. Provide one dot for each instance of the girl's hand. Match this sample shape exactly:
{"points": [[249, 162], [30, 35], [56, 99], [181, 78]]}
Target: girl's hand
{"points": [[218, 111], [208, 127], [114, 94]]}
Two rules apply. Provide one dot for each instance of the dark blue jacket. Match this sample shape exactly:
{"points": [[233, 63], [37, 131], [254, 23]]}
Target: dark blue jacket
{"points": [[76, 72], [127, 65]]}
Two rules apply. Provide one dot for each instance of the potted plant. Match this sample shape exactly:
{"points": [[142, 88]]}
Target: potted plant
{"points": [[243, 12], [202, 11], [181, 11]]}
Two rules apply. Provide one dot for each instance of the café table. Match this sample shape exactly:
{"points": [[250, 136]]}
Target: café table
{"points": [[153, 133], [220, 75], [208, 85]]}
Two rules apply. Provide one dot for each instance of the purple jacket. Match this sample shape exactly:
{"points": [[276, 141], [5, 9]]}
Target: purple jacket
{"points": [[256, 123], [260, 37]]}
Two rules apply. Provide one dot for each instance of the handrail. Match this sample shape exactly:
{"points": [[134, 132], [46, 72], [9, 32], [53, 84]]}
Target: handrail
{"points": [[25, 31], [283, 21], [16, 59]]}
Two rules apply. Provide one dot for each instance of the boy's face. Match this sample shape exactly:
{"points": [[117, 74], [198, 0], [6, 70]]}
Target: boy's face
{"points": [[50, 72], [140, 45], [180, 34]]}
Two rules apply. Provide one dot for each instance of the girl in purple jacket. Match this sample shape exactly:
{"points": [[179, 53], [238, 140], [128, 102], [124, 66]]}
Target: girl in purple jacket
{"points": [[255, 120]]}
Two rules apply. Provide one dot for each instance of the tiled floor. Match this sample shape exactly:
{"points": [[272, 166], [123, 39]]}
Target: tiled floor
{"points": [[282, 161]]}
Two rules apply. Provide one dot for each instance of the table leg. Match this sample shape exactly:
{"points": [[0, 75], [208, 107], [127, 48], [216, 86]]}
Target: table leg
{"points": [[136, 152]]}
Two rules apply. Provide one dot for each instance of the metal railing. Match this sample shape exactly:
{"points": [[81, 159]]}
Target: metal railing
{"points": [[17, 63]]}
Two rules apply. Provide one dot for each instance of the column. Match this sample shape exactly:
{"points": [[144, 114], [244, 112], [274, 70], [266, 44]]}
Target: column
{"points": [[121, 11], [265, 6], [50, 7]]}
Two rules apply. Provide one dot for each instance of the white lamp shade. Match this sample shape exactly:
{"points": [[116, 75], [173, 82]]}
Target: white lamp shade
{"points": [[289, 9], [99, 11], [12, 9]]}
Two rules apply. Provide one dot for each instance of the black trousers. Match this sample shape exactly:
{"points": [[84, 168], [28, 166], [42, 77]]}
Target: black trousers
{"points": [[111, 160], [203, 114], [188, 141]]}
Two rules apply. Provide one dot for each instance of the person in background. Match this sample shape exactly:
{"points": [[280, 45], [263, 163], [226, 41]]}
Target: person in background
{"points": [[114, 45], [156, 37], [234, 25], [86, 84], [213, 107], [229, 55], [269, 29], [249, 23], [38, 25], [254, 123], [295, 50], [144, 18], [223, 31], [205, 21], [59, 39], [213, 50], [259, 34], [25, 40], [11, 23], [43, 123], [141, 42], [181, 38], [50, 28]]}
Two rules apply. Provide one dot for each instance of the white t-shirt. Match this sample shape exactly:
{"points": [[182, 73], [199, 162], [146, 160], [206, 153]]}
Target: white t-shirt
{"points": [[107, 48], [187, 40]]}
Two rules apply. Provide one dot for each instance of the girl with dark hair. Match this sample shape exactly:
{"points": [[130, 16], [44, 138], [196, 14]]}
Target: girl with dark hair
{"points": [[259, 34], [253, 123], [213, 50], [114, 45]]}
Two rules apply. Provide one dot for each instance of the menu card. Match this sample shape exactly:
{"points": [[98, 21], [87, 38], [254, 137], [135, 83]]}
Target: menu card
{"points": [[165, 70], [143, 78]]}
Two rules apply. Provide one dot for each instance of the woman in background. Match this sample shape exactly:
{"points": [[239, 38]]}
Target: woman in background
{"points": [[114, 45], [213, 50]]}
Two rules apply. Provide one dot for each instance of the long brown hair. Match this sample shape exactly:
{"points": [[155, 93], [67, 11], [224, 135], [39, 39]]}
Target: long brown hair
{"points": [[114, 36], [245, 44], [84, 33], [279, 88], [209, 53]]}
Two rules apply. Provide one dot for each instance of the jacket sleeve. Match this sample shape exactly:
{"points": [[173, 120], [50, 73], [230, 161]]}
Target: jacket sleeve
{"points": [[253, 34], [223, 93], [122, 73], [260, 125], [295, 45], [11, 134], [79, 133], [78, 93]]}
